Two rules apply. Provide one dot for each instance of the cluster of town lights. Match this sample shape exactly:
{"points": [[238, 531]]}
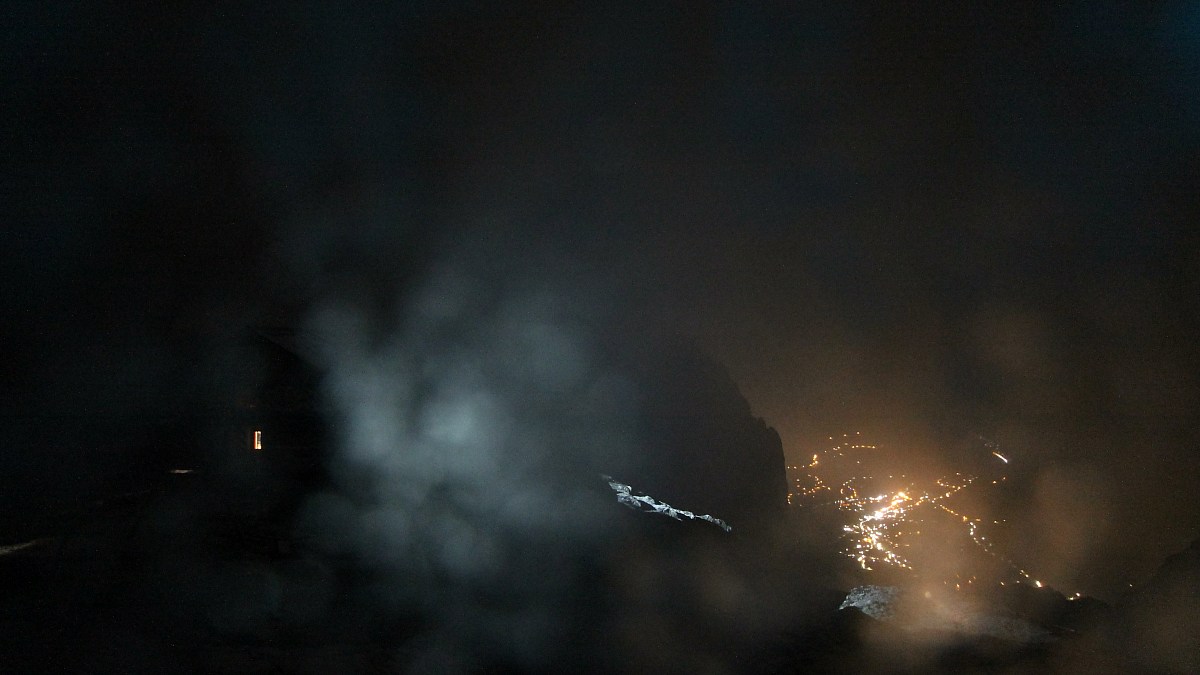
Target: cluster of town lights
{"points": [[879, 523]]}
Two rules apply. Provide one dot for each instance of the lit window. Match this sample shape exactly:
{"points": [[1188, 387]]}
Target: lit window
{"points": [[257, 440]]}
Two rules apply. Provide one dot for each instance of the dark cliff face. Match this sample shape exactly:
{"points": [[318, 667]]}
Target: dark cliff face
{"points": [[1162, 617], [701, 448], [1156, 628], [695, 441]]}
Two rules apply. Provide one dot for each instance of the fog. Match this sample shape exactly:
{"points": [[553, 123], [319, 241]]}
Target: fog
{"points": [[520, 247]]}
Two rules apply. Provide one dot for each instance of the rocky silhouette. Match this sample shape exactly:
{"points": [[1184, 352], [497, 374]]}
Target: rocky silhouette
{"points": [[700, 444]]}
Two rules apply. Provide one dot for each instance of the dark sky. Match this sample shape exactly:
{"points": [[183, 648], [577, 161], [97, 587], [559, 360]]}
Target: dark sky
{"points": [[918, 223]]}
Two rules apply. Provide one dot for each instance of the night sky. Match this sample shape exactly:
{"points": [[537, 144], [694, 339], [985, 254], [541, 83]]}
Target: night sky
{"points": [[921, 224]]}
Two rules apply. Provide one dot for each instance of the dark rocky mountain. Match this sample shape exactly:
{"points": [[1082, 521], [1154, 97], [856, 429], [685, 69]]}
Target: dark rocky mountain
{"points": [[218, 570], [701, 447], [1158, 626]]}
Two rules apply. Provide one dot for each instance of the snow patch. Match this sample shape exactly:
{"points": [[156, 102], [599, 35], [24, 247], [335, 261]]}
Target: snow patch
{"points": [[648, 504]]}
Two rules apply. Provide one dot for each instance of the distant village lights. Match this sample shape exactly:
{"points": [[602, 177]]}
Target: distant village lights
{"points": [[883, 523]]}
